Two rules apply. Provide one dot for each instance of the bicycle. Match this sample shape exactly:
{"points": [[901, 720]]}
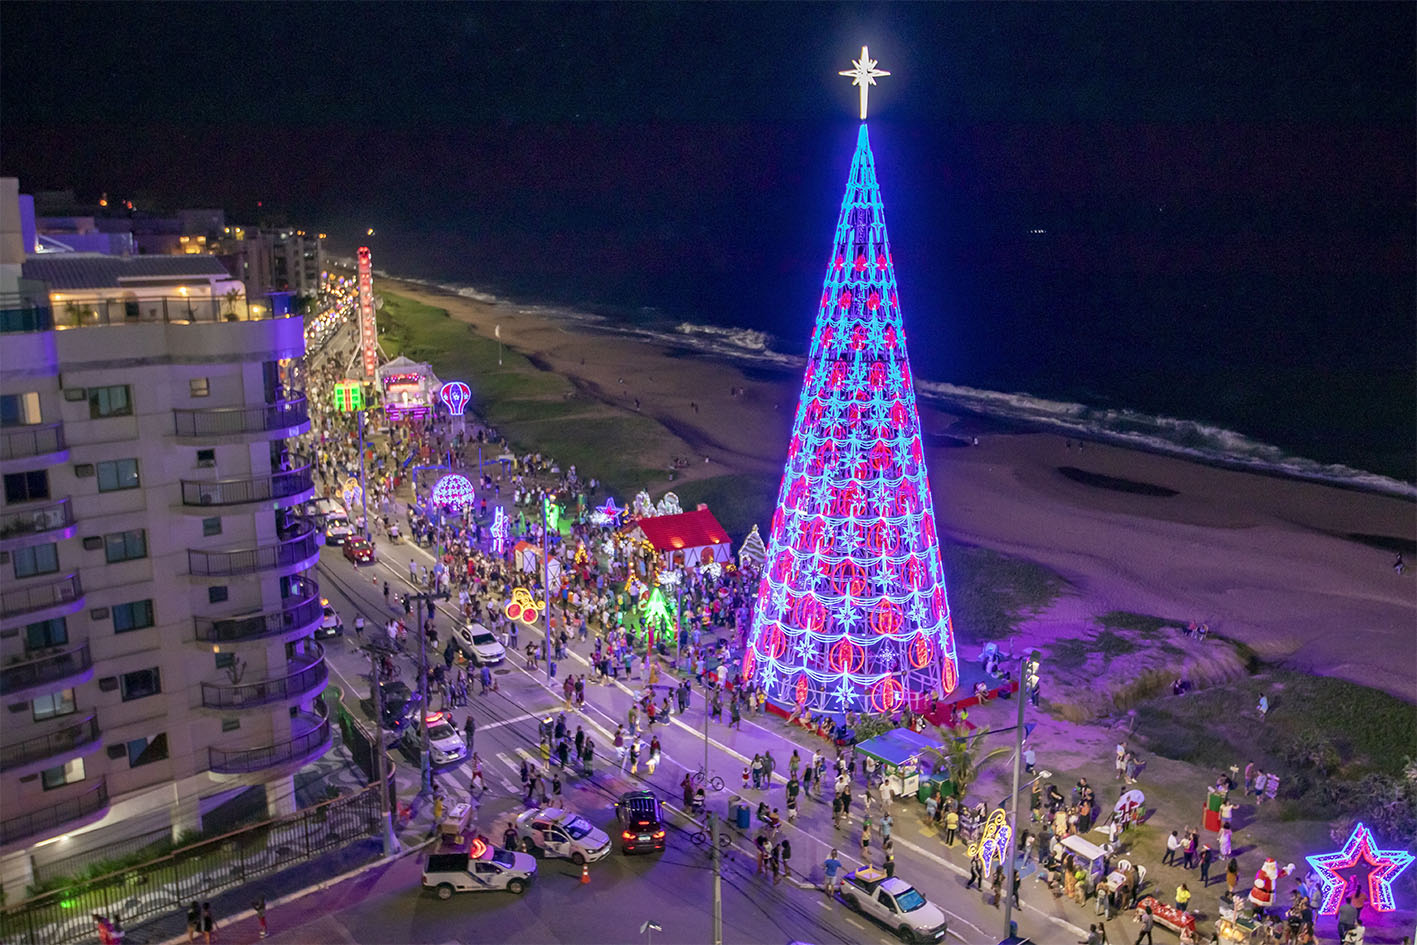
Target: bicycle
{"points": [[701, 778], [701, 837]]}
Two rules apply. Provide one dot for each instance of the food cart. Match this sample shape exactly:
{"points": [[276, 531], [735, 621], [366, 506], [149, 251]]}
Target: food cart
{"points": [[1088, 855], [454, 828], [899, 752]]}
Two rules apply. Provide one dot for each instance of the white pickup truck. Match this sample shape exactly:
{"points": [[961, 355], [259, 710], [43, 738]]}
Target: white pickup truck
{"points": [[480, 867], [894, 903]]}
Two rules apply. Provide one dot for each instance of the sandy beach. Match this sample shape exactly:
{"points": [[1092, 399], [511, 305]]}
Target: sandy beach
{"points": [[1267, 561]]}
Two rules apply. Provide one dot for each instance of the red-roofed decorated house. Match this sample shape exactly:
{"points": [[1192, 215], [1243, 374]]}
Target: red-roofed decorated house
{"points": [[693, 537]]}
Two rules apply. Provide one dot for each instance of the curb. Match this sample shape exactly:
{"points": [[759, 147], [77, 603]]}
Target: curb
{"points": [[318, 887]]}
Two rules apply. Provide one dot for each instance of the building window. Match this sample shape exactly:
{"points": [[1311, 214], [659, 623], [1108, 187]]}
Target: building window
{"points": [[27, 486], [206, 458], [199, 387], [19, 410], [211, 526], [46, 633], [117, 474], [51, 705], [68, 773], [115, 401], [125, 546], [225, 660], [230, 725], [217, 595], [135, 615], [144, 751], [36, 559], [140, 684]]}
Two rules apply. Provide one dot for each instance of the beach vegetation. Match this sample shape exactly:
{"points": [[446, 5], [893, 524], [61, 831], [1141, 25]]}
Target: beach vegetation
{"points": [[738, 502], [992, 593]]}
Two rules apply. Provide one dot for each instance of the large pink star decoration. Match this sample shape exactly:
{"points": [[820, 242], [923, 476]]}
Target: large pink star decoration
{"points": [[609, 510], [1384, 867]]}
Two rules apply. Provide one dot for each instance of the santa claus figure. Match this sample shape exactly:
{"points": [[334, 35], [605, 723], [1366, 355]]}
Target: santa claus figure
{"points": [[1262, 894]]}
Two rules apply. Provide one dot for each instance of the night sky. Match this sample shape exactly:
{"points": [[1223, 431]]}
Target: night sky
{"points": [[1227, 189]]}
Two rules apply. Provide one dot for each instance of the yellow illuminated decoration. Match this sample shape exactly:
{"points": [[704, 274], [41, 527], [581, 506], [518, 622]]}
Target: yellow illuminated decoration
{"points": [[522, 607], [863, 75], [995, 840]]}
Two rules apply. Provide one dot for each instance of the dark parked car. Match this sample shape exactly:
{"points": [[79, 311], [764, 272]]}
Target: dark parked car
{"points": [[641, 822], [400, 706]]}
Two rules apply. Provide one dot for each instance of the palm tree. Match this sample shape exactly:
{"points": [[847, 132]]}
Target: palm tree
{"points": [[963, 757]]}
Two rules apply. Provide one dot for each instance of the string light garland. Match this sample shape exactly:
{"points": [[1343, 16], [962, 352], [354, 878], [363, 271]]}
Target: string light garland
{"points": [[853, 556]]}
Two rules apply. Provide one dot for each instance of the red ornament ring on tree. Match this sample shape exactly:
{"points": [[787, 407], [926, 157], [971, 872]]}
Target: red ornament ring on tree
{"points": [[886, 618], [771, 642], [920, 651], [846, 657], [887, 695], [801, 690]]}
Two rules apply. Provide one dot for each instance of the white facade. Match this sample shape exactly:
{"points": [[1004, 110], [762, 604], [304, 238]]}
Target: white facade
{"points": [[155, 614]]}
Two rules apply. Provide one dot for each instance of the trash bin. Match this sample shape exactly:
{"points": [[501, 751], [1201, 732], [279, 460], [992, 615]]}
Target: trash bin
{"points": [[743, 816]]}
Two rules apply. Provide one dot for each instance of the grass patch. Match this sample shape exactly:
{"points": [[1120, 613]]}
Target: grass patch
{"points": [[1099, 481], [1110, 643], [990, 593], [738, 502], [1068, 654], [1145, 624]]}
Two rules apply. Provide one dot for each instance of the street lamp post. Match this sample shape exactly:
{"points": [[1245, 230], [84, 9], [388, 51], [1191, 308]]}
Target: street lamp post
{"points": [[425, 598], [390, 841], [1027, 669]]}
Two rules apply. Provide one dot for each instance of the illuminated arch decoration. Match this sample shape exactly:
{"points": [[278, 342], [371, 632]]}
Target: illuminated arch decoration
{"points": [[995, 840], [523, 607], [1383, 867], [455, 396], [501, 531], [453, 490], [853, 586]]}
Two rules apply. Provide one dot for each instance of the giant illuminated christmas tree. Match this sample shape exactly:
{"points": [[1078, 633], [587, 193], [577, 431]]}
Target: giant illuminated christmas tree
{"points": [[851, 612]]}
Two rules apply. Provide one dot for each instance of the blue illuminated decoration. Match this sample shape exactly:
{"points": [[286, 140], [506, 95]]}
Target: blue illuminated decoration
{"points": [[453, 490], [501, 531], [455, 396], [851, 612]]}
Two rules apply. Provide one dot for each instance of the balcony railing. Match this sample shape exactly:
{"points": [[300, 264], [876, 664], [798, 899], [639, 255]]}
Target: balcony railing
{"points": [[282, 554], [301, 609], [82, 805], [253, 489], [228, 421], [45, 669], [51, 745], [173, 309], [36, 597], [269, 756], [33, 440], [36, 519], [310, 672]]}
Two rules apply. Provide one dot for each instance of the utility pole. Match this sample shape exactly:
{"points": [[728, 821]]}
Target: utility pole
{"points": [[717, 875], [546, 581], [377, 747], [421, 599], [1025, 672], [363, 480]]}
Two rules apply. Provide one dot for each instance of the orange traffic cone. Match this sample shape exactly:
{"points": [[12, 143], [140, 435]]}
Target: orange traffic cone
{"points": [[585, 873]]}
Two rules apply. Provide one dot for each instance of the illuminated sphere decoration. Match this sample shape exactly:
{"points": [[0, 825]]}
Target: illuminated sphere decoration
{"points": [[455, 396], [852, 613], [453, 490]]}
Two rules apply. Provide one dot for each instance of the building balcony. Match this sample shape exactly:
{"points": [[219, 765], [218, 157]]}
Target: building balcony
{"points": [[56, 668], [25, 312], [306, 673], [281, 488], [34, 524], [310, 738], [210, 424], [289, 555], [41, 442], [54, 747], [71, 812], [172, 310], [298, 615], [30, 603]]}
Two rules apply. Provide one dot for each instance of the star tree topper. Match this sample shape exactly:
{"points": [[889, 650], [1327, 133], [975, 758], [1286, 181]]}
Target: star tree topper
{"points": [[863, 75], [1384, 867]]}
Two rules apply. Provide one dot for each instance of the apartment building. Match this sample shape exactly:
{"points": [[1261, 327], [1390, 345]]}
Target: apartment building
{"points": [[156, 606]]}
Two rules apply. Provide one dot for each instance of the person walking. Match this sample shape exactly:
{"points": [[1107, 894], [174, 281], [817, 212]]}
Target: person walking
{"points": [[208, 923], [775, 863], [469, 730], [951, 826], [976, 874], [194, 921], [1173, 846], [258, 905], [830, 867], [1146, 924], [996, 885], [1232, 875], [785, 849], [1206, 855]]}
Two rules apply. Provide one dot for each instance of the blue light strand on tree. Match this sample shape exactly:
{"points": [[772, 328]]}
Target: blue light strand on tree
{"points": [[852, 613]]}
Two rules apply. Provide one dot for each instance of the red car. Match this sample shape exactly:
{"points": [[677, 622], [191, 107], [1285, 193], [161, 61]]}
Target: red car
{"points": [[359, 550]]}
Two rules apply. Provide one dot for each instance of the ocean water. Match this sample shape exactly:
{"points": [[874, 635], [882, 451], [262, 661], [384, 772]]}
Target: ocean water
{"points": [[1103, 419]]}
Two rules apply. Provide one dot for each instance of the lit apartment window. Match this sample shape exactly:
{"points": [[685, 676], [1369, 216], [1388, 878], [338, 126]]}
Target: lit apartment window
{"points": [[19, 410], [199, 386], [140, 684], [144, 751], [125, 546], [115, 401], [36, 559], [47, 633], [117, 474], [51, 705], [69, 773], [29, 486], [134, 615]]}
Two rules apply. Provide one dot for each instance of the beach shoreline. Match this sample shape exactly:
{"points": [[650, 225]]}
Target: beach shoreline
{"points": [[1266, 560]]}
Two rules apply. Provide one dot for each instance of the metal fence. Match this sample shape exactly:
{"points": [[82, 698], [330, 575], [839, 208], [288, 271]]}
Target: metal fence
{"points": [[279, 485], [195, 873], [32, 597], [301, 547], [227, 421]]}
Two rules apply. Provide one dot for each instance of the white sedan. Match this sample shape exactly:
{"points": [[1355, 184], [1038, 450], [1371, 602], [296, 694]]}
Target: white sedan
{"points": [[480, 645]]}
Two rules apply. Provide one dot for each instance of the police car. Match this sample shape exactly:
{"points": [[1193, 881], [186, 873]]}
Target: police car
{"points": [[562, 833], [479, 868], [445, 744]]}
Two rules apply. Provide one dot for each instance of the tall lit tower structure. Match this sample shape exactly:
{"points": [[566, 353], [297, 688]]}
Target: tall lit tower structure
{"points": [[852, 613]]}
